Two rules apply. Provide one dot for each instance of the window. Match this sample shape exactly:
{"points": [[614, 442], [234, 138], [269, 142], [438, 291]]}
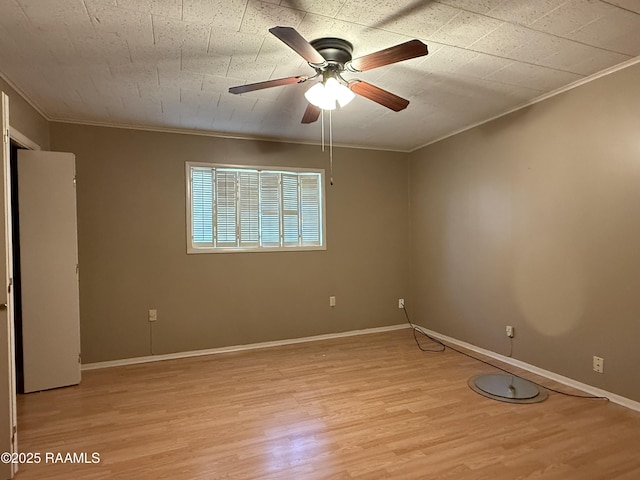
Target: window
{"points": [[239, 209]]}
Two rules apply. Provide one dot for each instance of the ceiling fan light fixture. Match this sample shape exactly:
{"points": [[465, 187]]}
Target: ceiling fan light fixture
{"points": [[318, 96], [325, 95], [338, 91]]}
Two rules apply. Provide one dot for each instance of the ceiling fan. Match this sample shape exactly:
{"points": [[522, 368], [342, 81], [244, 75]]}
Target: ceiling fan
{"points": [[329, 57]]}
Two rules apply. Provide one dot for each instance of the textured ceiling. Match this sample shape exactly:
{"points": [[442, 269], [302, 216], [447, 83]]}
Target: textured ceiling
{"points": [[168, 64]]}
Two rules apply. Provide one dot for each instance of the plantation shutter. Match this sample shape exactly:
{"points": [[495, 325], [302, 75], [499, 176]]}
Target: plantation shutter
{"points": [[249, 208], [310, 202], [202, 205], [270, 209], [291, 228], [226, 208]]}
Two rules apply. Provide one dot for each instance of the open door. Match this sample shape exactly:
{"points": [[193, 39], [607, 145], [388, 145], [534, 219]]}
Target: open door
{"points": [[8, 418], [48, 269]]}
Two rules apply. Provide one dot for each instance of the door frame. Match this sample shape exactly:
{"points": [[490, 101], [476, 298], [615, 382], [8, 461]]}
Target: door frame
{"points": [[22, 140], [9, 438]]}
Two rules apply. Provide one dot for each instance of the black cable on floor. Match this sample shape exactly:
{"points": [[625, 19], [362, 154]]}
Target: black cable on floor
{"points": [[442, 347], [416, 330]]}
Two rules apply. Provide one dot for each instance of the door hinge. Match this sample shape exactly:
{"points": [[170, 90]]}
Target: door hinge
{"points": [[6, 136], [9, 285], [80, 358], [75, 181], [14, 432]]}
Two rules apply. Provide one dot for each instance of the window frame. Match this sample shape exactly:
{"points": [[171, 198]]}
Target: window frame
{"points": [[192, 249]]}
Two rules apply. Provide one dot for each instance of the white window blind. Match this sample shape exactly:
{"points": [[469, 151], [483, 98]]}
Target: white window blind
{"points": [[244, 209]]}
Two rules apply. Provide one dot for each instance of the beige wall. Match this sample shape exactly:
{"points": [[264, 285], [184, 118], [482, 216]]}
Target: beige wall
{"points": [[132, 247], [533, 220], [26, 119]]}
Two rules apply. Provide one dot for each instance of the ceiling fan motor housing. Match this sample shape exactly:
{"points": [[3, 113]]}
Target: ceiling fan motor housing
{"points": [[336, 51]]}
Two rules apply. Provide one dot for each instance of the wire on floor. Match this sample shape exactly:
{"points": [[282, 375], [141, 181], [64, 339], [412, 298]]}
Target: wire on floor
{"points": [[442, 347]]}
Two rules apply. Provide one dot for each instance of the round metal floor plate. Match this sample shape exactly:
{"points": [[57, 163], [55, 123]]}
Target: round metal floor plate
{"points": [[507, 388]]}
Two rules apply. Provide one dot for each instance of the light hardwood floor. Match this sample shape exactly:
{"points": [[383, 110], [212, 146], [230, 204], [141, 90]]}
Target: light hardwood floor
{"points": [[366, 407]]}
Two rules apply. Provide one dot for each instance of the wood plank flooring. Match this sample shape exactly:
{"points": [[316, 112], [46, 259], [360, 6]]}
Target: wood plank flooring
{"points": [[365, 407]]}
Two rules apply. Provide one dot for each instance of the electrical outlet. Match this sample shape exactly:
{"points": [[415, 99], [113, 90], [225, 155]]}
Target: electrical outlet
{"points": [[401, 303], [332, 301], [598, 364], [153, 315], [509, 331]]}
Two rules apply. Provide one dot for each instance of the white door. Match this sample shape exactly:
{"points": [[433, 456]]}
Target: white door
{"points": [[48, 269], [8, 420]]}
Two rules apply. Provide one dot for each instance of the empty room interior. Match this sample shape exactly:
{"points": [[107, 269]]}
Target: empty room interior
{"points": [[338, 239]]}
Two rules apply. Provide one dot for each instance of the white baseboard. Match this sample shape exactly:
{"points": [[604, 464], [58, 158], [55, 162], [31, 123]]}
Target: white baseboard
{"points": [[237, 348], [625, 402]]}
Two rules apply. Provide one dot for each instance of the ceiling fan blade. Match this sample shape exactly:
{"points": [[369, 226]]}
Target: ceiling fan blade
{"points": [[268, 84], [399, 53], [298, 43], [311, 114], [378, 95]]}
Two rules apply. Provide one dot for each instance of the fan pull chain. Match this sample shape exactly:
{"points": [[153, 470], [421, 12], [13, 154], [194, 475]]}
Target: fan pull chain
{"points": [[330, 149], [322, 118], [330, 143]]}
